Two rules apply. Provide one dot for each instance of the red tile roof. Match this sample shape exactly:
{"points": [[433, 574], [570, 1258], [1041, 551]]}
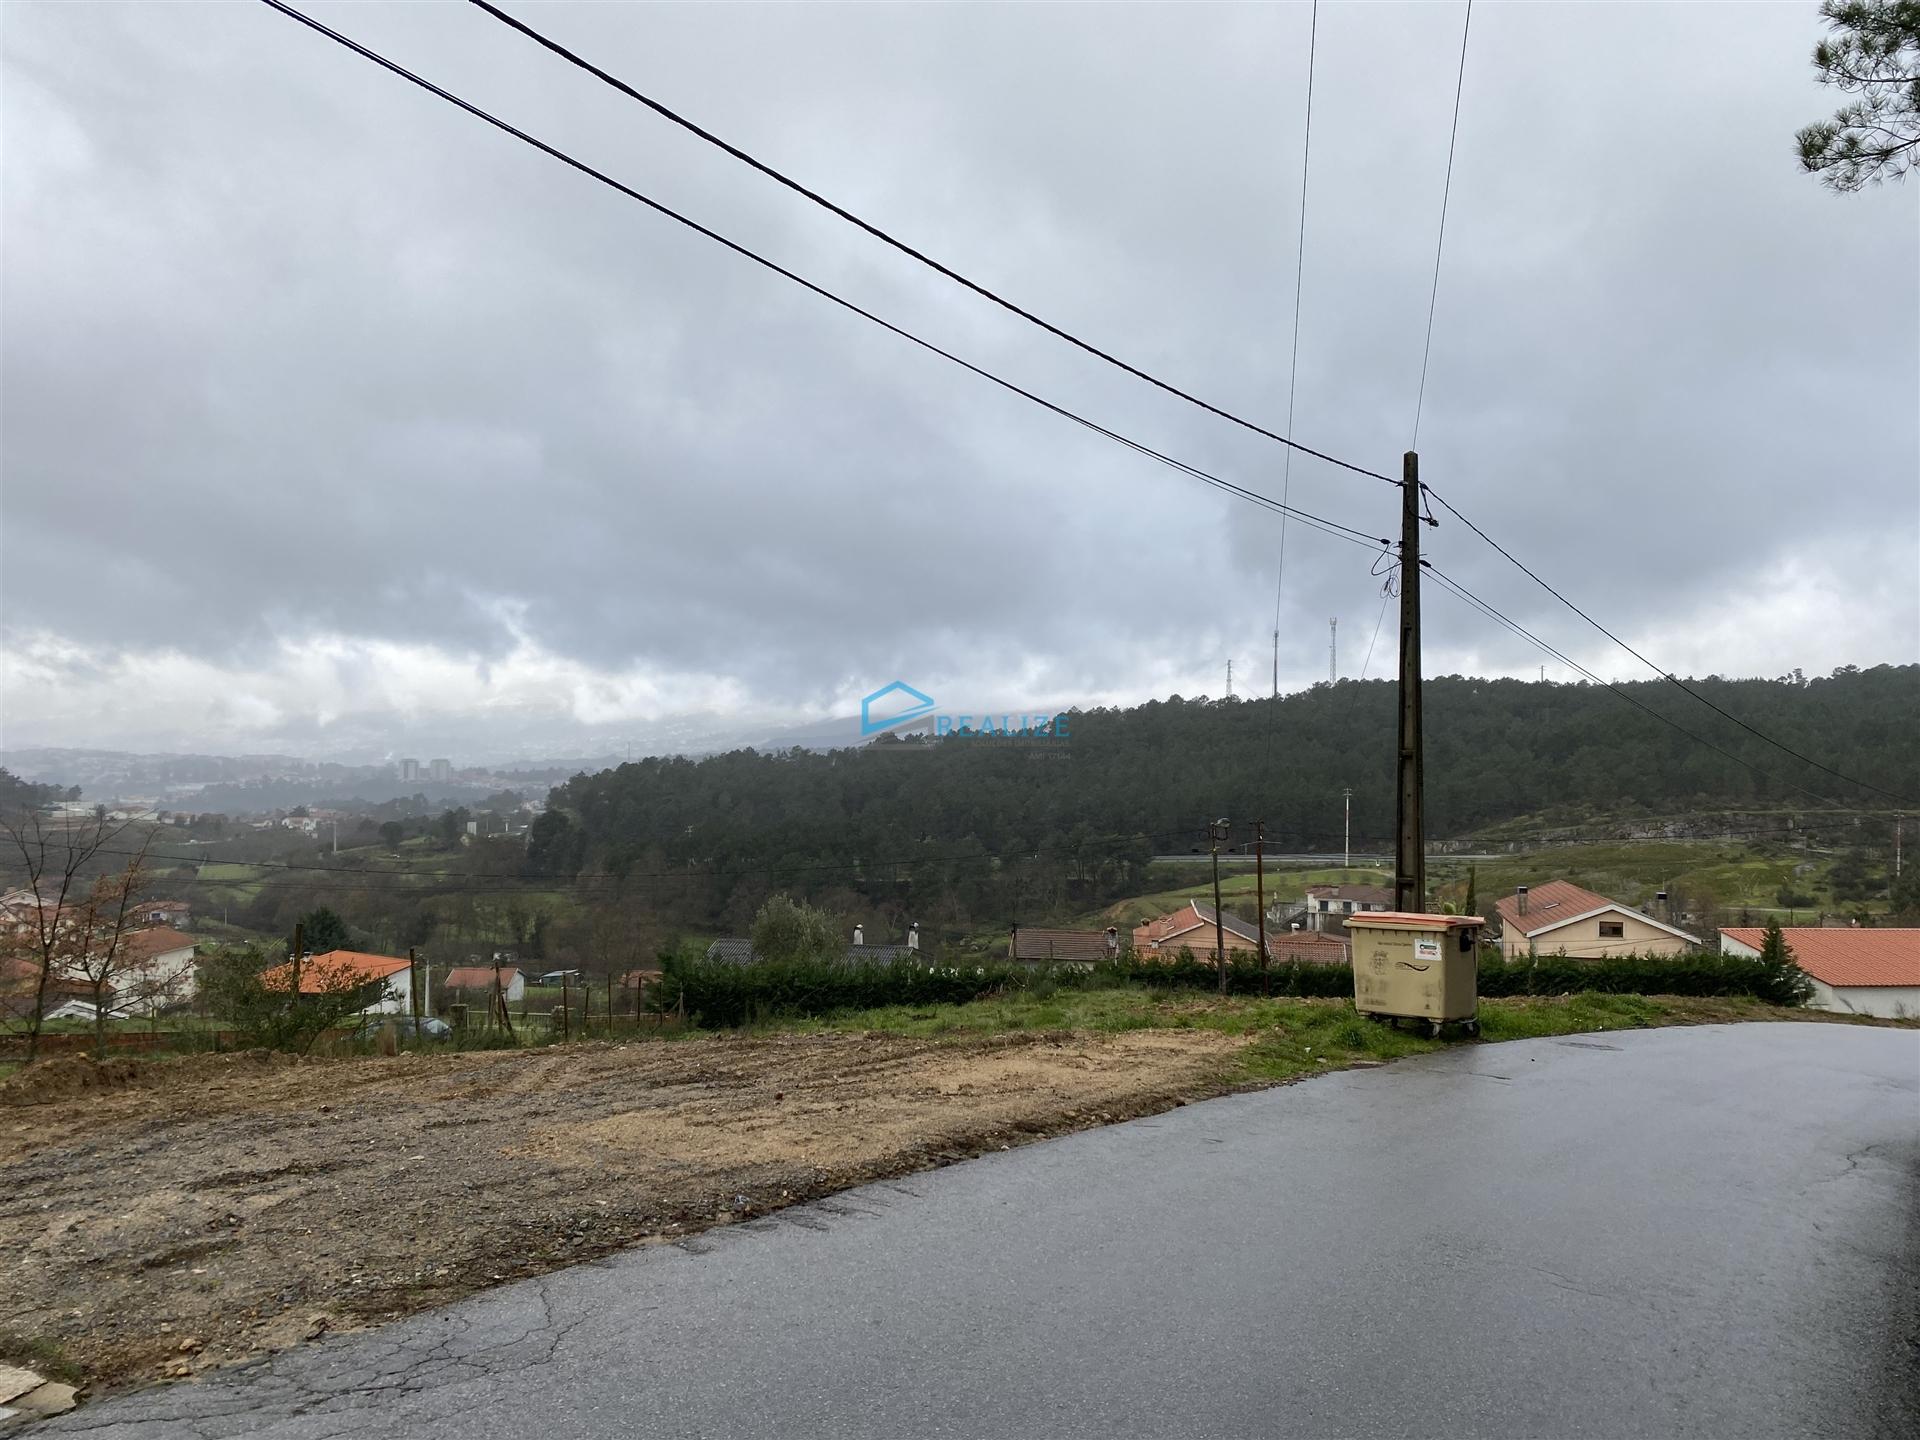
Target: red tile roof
{"points": [[144, 945], [1845, 958], [1549, 904], [321, 973], [1191, 917], [480, 977], [1309, 947], [1035, 942]]}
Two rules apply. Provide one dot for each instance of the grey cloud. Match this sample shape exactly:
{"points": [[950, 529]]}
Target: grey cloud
{"points": [[292, 349]]}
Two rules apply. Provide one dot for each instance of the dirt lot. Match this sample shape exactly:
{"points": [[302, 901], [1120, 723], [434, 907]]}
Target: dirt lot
{"points": [[159, 1217]]}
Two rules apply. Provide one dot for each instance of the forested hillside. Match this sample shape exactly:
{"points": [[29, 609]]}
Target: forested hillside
{"points": [[1128, 783]]}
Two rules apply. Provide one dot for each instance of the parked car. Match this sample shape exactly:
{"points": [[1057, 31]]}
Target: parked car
{"points": [[406, 1027]]}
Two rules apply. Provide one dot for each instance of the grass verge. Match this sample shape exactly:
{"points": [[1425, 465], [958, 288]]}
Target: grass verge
{"points": [[1289, 1039]]}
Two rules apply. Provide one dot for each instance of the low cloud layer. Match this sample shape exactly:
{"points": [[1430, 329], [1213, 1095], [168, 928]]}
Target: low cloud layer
{"points": [[329, 412]]}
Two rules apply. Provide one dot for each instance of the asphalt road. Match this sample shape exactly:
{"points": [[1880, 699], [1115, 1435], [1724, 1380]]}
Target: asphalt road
{"points": [[1706, 1232]]}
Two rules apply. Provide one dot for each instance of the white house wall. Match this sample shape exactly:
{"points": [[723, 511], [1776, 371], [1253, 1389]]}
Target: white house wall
{"points": [[1889, 1002]]}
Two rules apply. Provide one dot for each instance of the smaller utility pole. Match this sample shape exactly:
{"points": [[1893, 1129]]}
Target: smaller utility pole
{"points": [[1333, 648], [1898, 827], [1219, 830], [413, 988], [1346, 855], [1260, 898], [299, 945]]}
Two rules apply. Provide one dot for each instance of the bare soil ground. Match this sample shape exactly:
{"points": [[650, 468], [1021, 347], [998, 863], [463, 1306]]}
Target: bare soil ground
{"points": [[159, 1217]]}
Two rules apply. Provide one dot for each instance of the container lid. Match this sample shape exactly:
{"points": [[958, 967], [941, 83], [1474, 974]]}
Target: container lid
{"points": [[1409, 920]]}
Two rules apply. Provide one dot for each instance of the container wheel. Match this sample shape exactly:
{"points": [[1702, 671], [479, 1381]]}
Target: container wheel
{"points": [[1434, 1027], [1472, 1027]]}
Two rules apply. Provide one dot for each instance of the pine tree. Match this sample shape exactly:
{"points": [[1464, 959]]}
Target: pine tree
{"points": [[1773, 946], [1775, 951], [1473, 892]]}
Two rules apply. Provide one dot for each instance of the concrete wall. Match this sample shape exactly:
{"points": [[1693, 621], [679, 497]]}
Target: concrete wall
{"points": [[1890, 1002], [1582, 939]]}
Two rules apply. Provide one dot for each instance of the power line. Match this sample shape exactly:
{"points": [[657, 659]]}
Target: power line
{"points": [[354, 873], [1524, 633], [1293, 358], [902, 246], [1439, 244], [1293, 377], [1386, 596], [1316, 521], [1657, 669]]}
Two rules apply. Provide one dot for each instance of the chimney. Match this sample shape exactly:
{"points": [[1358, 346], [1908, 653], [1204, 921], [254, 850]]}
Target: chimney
{"points": [[1660, 911], [913, 936], [1113, 941], [859, 935], [1520, 899]]}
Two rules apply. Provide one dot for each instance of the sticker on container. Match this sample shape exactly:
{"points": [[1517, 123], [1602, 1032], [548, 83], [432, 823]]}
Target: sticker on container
{"points": [[1426, 949]]}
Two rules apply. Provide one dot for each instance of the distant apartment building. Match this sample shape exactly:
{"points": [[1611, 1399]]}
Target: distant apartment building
{"points": [[440, 771], [409, 769]]}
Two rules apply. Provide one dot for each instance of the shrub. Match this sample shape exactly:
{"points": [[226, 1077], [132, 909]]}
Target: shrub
{"points": [[1694, 975], [723, 996]]}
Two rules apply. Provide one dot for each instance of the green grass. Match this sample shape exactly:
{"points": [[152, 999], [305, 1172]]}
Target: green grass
{"points": [[1286, 1039], [1718, 872], [224, 872], [1730, 873]]}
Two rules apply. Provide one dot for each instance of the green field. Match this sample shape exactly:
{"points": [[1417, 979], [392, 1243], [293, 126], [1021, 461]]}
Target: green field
{"points": [[1712, 874]]}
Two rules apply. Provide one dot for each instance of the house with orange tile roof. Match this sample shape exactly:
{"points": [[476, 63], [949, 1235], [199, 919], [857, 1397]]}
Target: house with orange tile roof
{"points": [[1191, 928], [1856, 971], [385, 980], [478, 980], [1562, 918]]}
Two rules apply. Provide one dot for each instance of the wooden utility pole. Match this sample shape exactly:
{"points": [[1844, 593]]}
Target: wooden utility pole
{"points": [[413, 987], [1219, 829], [1260, 897], [1410, 853], [299, 944]]}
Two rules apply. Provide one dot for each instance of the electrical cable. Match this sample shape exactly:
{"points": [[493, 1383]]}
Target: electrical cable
{"points": [[1520, 630], [1657, 669], [1293, 359], [879, 234], [1439, 244], [1315, 521]]}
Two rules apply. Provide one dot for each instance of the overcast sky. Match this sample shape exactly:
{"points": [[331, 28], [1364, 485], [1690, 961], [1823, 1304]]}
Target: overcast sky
{"points": [[336, 421]]}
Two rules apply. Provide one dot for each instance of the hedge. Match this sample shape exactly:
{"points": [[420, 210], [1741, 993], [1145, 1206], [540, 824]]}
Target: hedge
{"points": [[721, 996]]}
